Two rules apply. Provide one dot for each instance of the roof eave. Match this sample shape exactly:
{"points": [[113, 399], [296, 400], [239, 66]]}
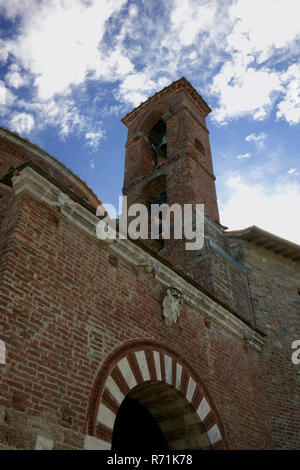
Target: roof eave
{"points": [[267, 240]]}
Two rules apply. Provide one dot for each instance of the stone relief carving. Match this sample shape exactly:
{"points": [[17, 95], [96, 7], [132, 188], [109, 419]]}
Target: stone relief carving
{"points": [[171, 305]]}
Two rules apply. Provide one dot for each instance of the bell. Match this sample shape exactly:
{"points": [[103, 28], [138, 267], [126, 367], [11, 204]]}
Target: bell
{"points": [[162, 148]]}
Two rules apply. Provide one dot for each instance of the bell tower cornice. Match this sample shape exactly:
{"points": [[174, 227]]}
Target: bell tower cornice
{"points": [[179, 85]]}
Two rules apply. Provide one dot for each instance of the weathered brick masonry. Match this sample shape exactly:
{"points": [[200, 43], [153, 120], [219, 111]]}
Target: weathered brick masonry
{"points": [[274, 284], [82, 319]]}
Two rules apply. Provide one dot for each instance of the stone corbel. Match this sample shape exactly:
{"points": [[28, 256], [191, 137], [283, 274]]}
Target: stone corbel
{"points": [[146, 266], [62, 201]]}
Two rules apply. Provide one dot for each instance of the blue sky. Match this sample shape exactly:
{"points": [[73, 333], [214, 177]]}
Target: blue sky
{"points": [[71, 69]]}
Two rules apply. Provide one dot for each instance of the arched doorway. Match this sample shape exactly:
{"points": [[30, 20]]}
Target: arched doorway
{"points": [[156, 416], [136, 428], [154, 388]]}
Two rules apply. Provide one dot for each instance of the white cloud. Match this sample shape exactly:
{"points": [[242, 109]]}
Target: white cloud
{"points": [[60, 44], [113, 66], [289, 107], [259, 139], [243, 84], [4, 51], [14, 8], [245, 155], [137, 87], [133, 10], [271, 209], [260, 114], [292, 171], [61, 112], [93, 138], [64, 113], [64, 44], [167, 45], [262, 27], [189, 18], [14, 78], [3, 93], [59, 41], [243, 90], [6, 98], [22, 123]]}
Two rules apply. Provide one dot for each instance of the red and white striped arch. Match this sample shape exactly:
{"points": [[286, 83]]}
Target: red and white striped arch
{"points": [[140, 363]]}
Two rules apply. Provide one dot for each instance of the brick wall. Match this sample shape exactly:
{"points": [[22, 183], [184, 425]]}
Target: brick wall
{"points": [[59, 287], [68, 302], [274, 284], [14, 151]]}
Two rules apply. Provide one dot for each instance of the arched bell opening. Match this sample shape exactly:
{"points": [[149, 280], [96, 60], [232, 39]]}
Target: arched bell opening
{"points": [[156, 416], [158, 142]]}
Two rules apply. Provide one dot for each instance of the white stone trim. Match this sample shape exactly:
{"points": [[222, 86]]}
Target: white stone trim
{"points": [[2, 352], [93, 443], [127, 373], [43, 443], [178, 375], [203, 409], [157, 364], [190, 389], [141, 358], [214, 434], [106, 416], [168, 369], [30, 181], [113, 388]]}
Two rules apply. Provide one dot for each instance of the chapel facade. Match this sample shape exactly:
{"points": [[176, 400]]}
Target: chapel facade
{"points": [[142, 344]]}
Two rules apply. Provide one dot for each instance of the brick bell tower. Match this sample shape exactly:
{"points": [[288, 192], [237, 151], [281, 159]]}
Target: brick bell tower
{"points": [[168, 160], [168, 149]]}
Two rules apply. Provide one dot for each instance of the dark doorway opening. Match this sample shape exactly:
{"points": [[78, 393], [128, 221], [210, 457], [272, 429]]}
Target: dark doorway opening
{"points": [[135, 428]]}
